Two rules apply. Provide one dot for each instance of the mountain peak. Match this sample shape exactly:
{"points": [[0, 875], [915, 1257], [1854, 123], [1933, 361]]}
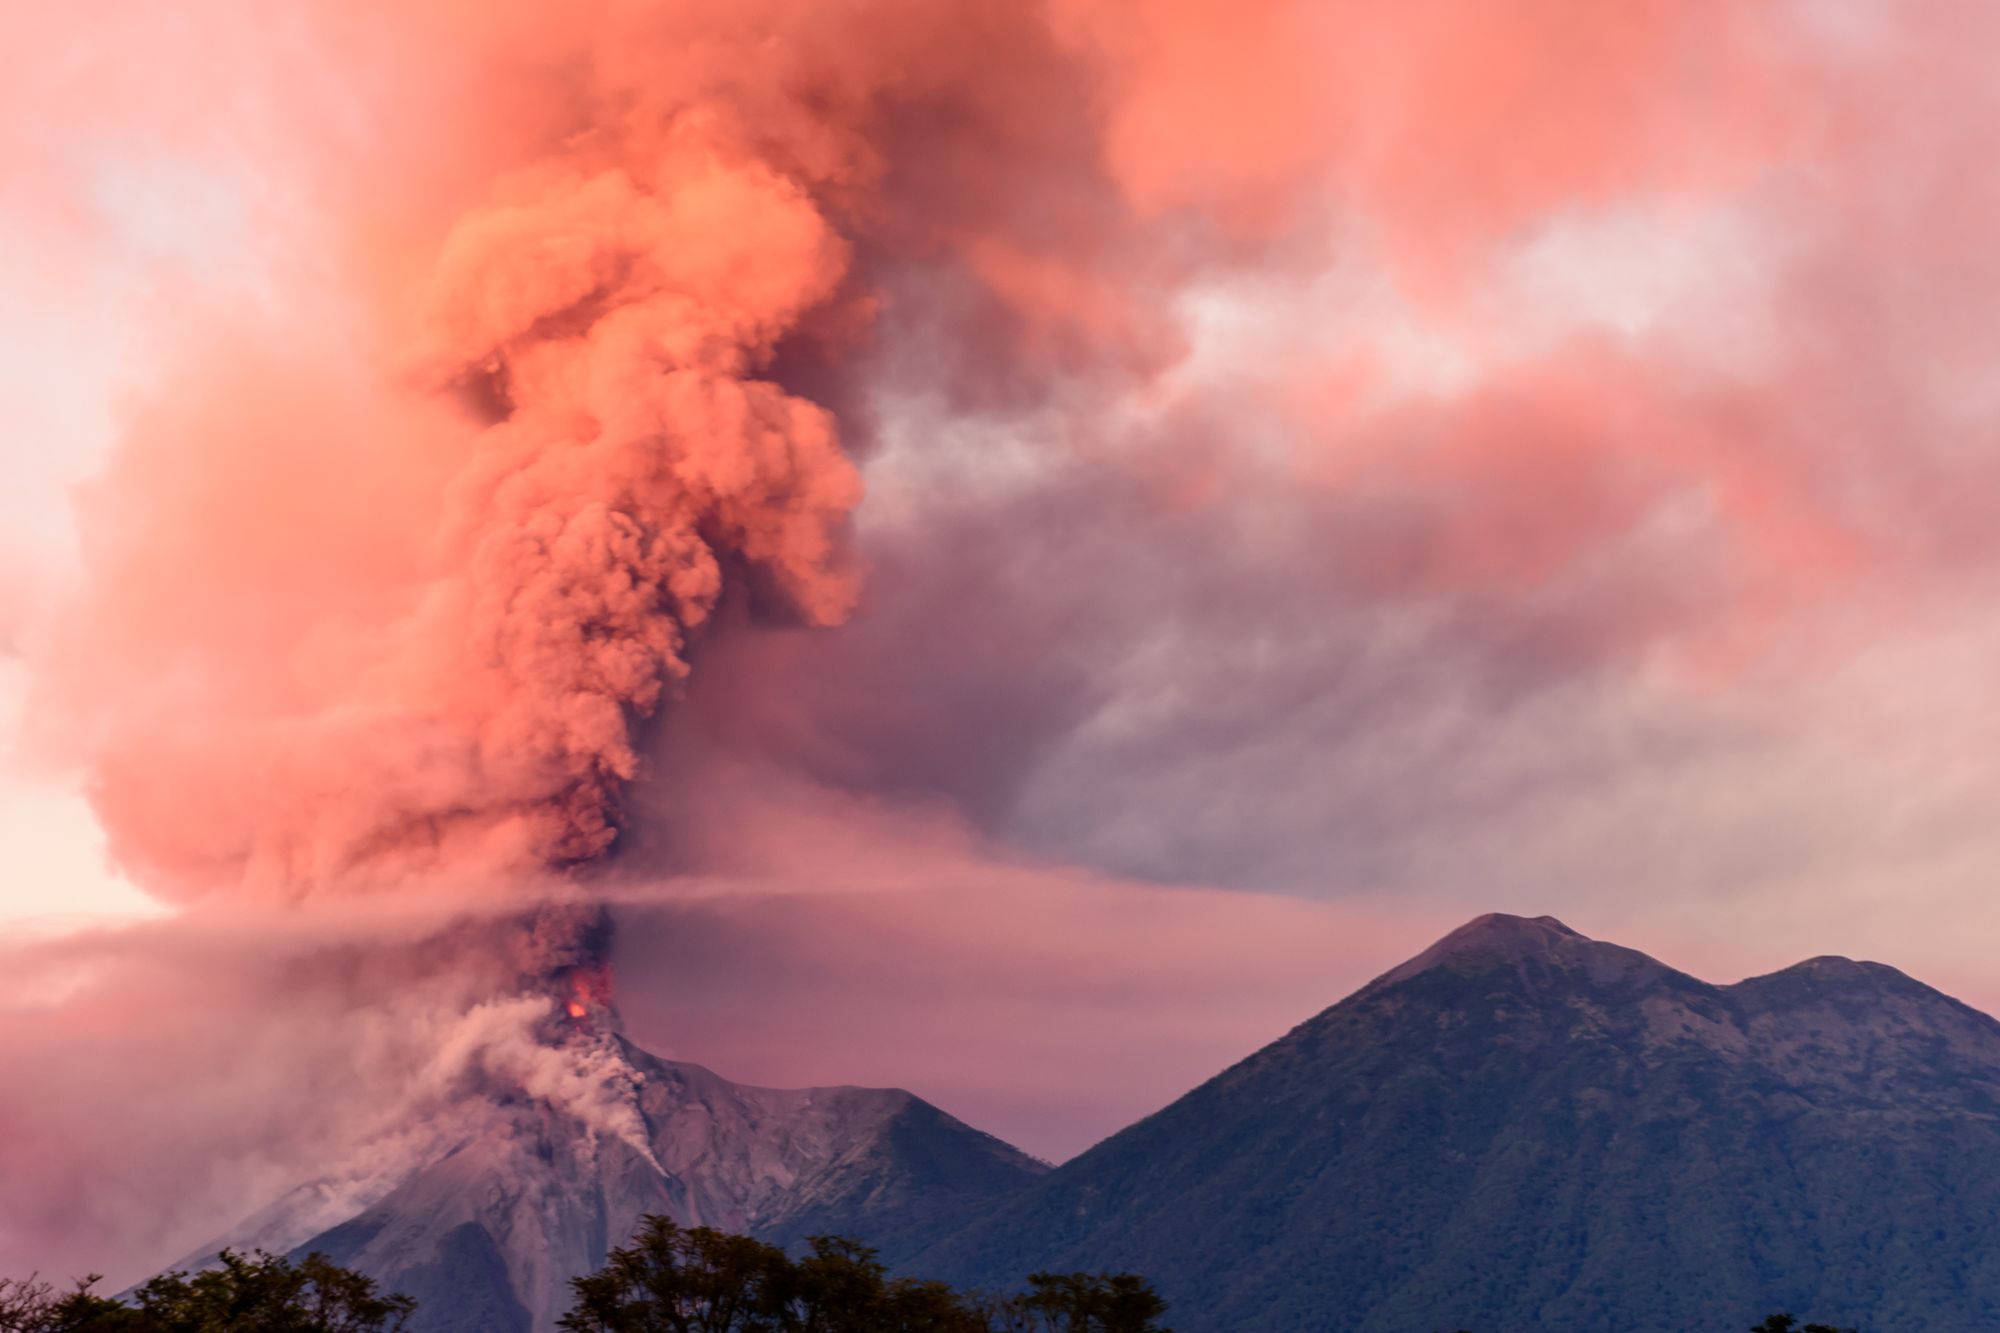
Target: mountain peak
{"points": [[1498, 936], [1833, 970], [1501, 939], [1831, 975], [1505, 930]]}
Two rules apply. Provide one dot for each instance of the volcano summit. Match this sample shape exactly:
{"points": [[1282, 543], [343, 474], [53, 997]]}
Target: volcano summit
{"points": [[525, 1193]]}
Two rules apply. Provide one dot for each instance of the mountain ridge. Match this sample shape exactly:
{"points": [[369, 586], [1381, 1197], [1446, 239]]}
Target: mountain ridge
{"points": [[1519, 1127], [1524, 1127]]}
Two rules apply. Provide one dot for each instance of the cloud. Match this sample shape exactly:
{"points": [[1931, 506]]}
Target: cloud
{"points": [[427, 531], [1556, 574]]}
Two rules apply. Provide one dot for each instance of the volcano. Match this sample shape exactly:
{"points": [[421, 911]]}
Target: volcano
{"points": [[555, 1135], [524, 1192]]}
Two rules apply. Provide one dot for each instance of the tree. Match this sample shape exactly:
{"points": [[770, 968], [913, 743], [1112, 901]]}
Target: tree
{"points": [[21, 1301], [24, 1304], [679, 1279], [1090, 1303], [263, 1293], [840, 1287], [29, 1306], [81, 1310], [674, 1279], [1785, 1323]]}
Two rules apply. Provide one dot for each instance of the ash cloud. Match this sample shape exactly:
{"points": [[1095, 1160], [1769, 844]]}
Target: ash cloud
{"points": [[386, 580], [1553, 546]]}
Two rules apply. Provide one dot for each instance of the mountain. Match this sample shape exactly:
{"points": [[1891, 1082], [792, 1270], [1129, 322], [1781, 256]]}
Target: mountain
{"points": [[1522, 1128], [488, 1231]]}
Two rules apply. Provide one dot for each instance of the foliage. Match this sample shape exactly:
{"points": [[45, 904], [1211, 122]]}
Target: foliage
{"points": [[668, 1279], [261, 1293], [1083, 1303], [674, 1279]]}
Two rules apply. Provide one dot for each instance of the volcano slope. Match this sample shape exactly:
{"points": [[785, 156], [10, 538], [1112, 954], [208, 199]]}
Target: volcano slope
{"points": [[526, 1194], [1525, 1128]]}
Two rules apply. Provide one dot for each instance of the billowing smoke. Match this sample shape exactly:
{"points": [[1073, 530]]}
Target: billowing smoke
{"points": [[383, 582], [386, 579], [611, 318], [616, 461]]}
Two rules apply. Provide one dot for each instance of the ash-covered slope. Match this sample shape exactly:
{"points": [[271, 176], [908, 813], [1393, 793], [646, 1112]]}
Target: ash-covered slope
{"points": [[487, 1234], [1526, 1129]]}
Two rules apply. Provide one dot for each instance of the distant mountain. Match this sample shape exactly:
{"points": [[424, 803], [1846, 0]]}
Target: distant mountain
{"points": [[1525, 1129], [487, 1233]]}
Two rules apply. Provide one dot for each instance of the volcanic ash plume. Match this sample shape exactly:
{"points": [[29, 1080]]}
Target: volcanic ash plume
{"points": [[610, 321], [609, 462], [383, 579]]}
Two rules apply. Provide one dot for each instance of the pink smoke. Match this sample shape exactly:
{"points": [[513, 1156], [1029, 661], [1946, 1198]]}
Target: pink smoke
{"points": [[385, 580]]}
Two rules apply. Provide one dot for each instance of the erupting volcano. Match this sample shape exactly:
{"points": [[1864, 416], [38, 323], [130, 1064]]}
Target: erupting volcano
{"points": [[564, 401], [555, 1135]]}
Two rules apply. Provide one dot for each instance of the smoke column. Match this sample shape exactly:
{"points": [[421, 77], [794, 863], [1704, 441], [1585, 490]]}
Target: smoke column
{"points": [[613, 460]]}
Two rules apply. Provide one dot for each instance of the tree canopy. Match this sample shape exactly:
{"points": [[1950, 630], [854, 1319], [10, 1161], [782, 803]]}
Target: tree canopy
{"points": [[260, 1293], [667, 1279], [675, 1279]]}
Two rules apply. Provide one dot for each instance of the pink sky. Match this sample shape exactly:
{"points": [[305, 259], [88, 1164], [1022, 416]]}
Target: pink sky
{"points": [[1010, 535]]}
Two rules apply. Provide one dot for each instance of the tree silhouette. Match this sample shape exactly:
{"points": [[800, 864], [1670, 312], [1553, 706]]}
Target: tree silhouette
{"points": [[675, 1279], [683, 1280], [1785, 1323], [261, 1293], [666, 1279], [1092, 1303]]}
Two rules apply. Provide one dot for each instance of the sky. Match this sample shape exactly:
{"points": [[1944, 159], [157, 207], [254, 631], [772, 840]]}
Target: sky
{"points": [[1024, 552]]}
